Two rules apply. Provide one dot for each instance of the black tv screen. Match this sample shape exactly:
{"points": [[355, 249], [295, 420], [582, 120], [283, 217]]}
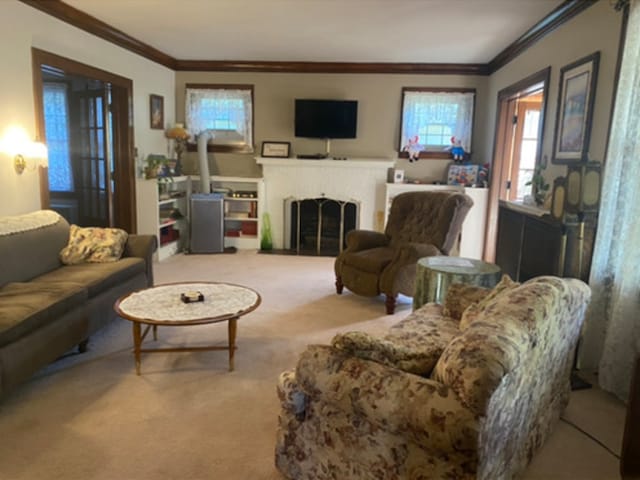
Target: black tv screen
{"points": [[326, 118]]}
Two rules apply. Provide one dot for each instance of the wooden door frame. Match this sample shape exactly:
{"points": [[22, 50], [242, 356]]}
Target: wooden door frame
{"points": [[124, 207], [519, 89]]}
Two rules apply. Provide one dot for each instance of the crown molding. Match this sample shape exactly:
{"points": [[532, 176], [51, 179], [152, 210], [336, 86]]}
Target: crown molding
{"points": [[62, 11], [332, 67], [92, 25], [563, 13]]}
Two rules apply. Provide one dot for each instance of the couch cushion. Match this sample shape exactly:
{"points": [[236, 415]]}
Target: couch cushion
{"points": [[472, 312], [25, 307], [412, 345], [93, 245], [373, 260], [97, 277], [499, 340], [29, 253], [459, 296]]}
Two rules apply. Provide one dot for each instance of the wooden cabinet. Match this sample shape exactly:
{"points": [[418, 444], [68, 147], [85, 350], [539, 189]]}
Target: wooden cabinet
{"points": [[530, 244]]}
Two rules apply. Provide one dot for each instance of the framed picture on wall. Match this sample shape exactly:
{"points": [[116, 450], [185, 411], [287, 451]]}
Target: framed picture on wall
{"points": [[156, 112], [276, 149], [575, 110]]}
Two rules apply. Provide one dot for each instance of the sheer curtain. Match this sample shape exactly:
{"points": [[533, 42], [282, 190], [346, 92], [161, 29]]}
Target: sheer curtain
{"points": [[219, 109], [611, 339], [444, 108]]}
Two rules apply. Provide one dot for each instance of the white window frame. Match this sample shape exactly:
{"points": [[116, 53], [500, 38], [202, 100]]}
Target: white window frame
{"points": [[412, 125], [238, 134]]}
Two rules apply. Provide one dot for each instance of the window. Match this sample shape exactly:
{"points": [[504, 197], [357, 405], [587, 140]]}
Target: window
{"points": [[226, 111], [56, 121], [434, 119]]}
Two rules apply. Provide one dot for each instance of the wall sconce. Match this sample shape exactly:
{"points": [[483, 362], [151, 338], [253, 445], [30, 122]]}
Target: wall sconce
{"points": [[35, 151], [17, 145]]}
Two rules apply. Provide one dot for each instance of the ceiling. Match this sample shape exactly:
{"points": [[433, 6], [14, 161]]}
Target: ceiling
{"points": [[389, 31]]}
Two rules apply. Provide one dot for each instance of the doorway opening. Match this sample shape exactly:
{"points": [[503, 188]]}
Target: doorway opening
{"points": [[83, 115], [517, 146]]}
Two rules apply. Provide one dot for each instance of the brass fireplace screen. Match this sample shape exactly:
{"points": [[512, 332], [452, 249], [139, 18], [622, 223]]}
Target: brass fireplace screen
{"points": [[319, 226]]}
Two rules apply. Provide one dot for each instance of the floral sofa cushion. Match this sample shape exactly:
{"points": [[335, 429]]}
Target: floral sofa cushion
{"points": [[460, 296], [505, 326], [93, 245], [472, 311], [413, 345]]}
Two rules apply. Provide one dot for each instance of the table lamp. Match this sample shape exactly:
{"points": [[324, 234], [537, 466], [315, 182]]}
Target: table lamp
{"points": [[180, 136]]}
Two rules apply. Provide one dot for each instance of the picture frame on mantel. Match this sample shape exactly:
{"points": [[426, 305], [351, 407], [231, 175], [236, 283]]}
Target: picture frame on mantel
{"points": [[576, 98], [276, 149], [156, 112]]}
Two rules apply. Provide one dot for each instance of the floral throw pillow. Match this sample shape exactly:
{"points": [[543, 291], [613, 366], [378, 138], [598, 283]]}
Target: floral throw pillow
{"points": [[93, 245], [473, 310], [459, 296]]}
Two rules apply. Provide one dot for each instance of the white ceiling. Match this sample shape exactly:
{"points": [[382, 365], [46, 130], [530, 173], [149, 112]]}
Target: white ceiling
{"points": [[421, 31]]}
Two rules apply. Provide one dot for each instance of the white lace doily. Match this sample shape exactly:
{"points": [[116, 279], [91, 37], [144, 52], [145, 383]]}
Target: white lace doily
{"points": [[30, 221], [163, 303]]}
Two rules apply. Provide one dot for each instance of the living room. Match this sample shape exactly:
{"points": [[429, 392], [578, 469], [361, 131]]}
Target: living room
{"points": [[379, 96]]}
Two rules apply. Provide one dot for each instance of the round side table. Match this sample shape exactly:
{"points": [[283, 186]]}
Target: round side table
{"points": [[435, 274]]}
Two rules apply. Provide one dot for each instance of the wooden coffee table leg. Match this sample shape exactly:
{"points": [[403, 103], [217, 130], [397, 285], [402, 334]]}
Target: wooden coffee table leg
{"points": [[137, 341], [232, 341]]}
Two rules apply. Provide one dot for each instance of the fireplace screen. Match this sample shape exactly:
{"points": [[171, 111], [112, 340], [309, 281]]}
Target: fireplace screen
{"points": [[318, 226]]}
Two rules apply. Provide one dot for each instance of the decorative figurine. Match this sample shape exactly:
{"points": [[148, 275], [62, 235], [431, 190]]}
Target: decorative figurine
{"points": [[413, 149]]}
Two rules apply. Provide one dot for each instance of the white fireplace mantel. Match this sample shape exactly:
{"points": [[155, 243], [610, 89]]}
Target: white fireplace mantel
{"points": [[360, 180]]}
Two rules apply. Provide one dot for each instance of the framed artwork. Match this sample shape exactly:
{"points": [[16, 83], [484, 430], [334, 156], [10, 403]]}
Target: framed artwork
{"points": [[575, 110], [156, 112], [276, 149], [462, 174]]}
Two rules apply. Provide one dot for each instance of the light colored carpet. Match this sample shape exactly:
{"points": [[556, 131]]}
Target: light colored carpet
{"points": [[186, 417]]}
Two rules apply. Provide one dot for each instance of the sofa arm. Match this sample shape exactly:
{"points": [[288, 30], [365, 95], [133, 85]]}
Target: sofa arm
{"points": [[293, 399], [396, 401], [142, 246], [364, 239]]}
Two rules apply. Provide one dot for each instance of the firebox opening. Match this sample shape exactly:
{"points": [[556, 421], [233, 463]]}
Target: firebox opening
{"points": [[319, 226]]}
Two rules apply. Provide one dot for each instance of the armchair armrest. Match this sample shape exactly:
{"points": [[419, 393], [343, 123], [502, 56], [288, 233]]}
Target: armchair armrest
{"points": [[364, 239], [142, 246], [391, 399]]}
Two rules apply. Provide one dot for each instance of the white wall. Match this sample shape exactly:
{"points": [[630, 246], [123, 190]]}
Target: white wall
{"points": [[595, 29], [379, 102], [23, 27]]}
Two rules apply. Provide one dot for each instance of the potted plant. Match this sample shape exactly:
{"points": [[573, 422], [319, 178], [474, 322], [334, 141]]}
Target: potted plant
{"points": [[539, 184]]}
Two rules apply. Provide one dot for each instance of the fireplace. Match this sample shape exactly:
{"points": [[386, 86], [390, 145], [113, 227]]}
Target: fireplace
{"points": [[360, 180], [318, 226]]}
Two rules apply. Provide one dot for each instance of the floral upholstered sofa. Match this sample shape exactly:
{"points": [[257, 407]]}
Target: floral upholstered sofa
{"points": [[470, 389]]}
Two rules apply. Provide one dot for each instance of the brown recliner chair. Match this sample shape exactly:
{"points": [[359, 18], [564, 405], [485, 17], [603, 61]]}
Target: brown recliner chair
{"points": [[420, 224]]}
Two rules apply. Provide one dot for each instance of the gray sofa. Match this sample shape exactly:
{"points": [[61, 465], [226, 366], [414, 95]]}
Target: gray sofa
{"points": [[46, 308]]}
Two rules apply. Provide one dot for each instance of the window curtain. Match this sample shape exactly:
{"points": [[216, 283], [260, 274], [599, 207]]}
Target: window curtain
{"points": [[611, 339], [56, 125], [454, 109], [204, 105]]}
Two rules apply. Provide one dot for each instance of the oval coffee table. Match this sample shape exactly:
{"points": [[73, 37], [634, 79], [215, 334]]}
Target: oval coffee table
{"points": [[162, 305]]}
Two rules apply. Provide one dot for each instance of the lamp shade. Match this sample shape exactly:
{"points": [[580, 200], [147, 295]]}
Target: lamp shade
{"points": [[178, 131]]}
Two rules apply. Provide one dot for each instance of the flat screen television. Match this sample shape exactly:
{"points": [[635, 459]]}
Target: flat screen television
{"points": [[326, 118]]}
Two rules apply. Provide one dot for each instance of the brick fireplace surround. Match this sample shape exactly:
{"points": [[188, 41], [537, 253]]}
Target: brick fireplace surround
{"points": [[356, 180]]}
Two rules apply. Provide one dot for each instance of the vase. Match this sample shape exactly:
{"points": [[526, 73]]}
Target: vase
{"points": [[266, 242]]}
